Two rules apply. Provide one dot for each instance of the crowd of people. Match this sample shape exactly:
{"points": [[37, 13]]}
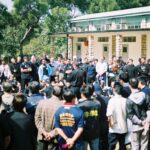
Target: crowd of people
{"points": [[74, 104]]}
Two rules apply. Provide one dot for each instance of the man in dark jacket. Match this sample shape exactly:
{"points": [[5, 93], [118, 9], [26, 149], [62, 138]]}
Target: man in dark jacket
{"points": [[138, 111], [22, 126], [34, 99], [76, 79], [91, 109]]}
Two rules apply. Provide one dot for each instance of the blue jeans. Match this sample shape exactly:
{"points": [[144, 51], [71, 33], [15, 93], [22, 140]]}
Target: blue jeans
{"points": [[94, 144]]}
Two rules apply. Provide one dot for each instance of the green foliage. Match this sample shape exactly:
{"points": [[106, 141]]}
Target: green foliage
{"points": [[58, 20], [97, 6]]}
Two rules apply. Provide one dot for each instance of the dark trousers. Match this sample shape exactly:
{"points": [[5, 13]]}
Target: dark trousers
{"points": [[113, 138], [104, 136], [43, 145], [24, 82]]}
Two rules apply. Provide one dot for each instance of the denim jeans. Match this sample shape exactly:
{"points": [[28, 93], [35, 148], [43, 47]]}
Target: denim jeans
{"points": [[94, 144]]}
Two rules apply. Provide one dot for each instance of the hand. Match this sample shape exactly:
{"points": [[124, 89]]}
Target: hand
{"points": [[46, 136], [145, 123], [70, 142]]}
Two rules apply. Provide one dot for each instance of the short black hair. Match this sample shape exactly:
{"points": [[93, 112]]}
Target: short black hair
{"points": [[87, 90], [57, 91], [19, 101], [133, 83], [142, 80], [124, 77], [118, 88], [68, 94], [7, 87], [34, 87]]}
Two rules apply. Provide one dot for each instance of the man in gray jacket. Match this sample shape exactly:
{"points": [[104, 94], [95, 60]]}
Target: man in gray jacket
{"points": [[138, 111]]}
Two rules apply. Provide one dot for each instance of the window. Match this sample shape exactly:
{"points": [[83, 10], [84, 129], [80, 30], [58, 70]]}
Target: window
{"points": [[125, 49], [82, 39], [78, 47], [129, 39], [105, 48], [103, 39]]}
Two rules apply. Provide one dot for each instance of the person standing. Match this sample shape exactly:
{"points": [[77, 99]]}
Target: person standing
{"points": [[117, 118], [101, 69], [22, 126], [4, 71], [138, 111], [25, 73], [76, 79], [44, 71], [13, 67], [34, 66], [69, 123], [44, 120], [91, 109]]}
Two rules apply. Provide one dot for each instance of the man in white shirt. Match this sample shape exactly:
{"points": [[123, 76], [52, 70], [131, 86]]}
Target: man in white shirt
{"points": [[116, 113], [101, 69]]}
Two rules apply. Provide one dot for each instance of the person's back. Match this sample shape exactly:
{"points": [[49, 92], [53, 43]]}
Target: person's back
{"points": [[34, 99], [22, 131], [23, 135], [7, 98], [138, 108], [116, 113]]}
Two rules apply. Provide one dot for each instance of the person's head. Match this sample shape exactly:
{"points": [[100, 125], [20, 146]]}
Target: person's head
{"points": [[143, 60], [87, 91], [68, 95], [133, 83], [34, 87], [18, 59], [7, 87], [43, 62], [130, 61], [141, 82], [25, 59], [3, 62], [51, 59], [148, 61], [33, 59], [13, 60], [57, 91], [19, 102], [75, 65], [124, 78], [117, 88], [102, 59]]}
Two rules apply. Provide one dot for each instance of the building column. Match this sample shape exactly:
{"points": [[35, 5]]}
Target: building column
{"points": [[118, 46], [52, 46], [70, 47], [90, 47], [144, 45]]}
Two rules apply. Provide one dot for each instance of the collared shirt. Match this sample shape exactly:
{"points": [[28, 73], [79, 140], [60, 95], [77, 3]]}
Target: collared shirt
{"points": [[117, 110]]}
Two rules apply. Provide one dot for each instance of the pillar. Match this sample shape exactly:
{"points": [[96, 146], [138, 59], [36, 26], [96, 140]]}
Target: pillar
{"points": [[90, 47], [70, 47], [118, 46]]}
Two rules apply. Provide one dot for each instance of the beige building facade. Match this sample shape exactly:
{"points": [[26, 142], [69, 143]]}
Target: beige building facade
{"points": [[124, 33]]}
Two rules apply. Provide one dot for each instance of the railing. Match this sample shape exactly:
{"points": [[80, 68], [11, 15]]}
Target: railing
{"points": [[108, 28]]}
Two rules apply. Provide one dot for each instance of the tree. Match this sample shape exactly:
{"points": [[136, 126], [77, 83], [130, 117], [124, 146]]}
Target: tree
{"points": [[97, 6]]}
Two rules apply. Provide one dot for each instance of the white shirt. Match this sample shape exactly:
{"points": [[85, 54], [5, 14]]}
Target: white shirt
{"points": [[117, 110], [101, 67]]}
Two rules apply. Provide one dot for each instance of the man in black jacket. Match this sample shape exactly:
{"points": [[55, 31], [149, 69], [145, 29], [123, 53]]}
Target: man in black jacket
{"points": [[23, 135], [138, 111], [76, 79], [91, 109]]}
